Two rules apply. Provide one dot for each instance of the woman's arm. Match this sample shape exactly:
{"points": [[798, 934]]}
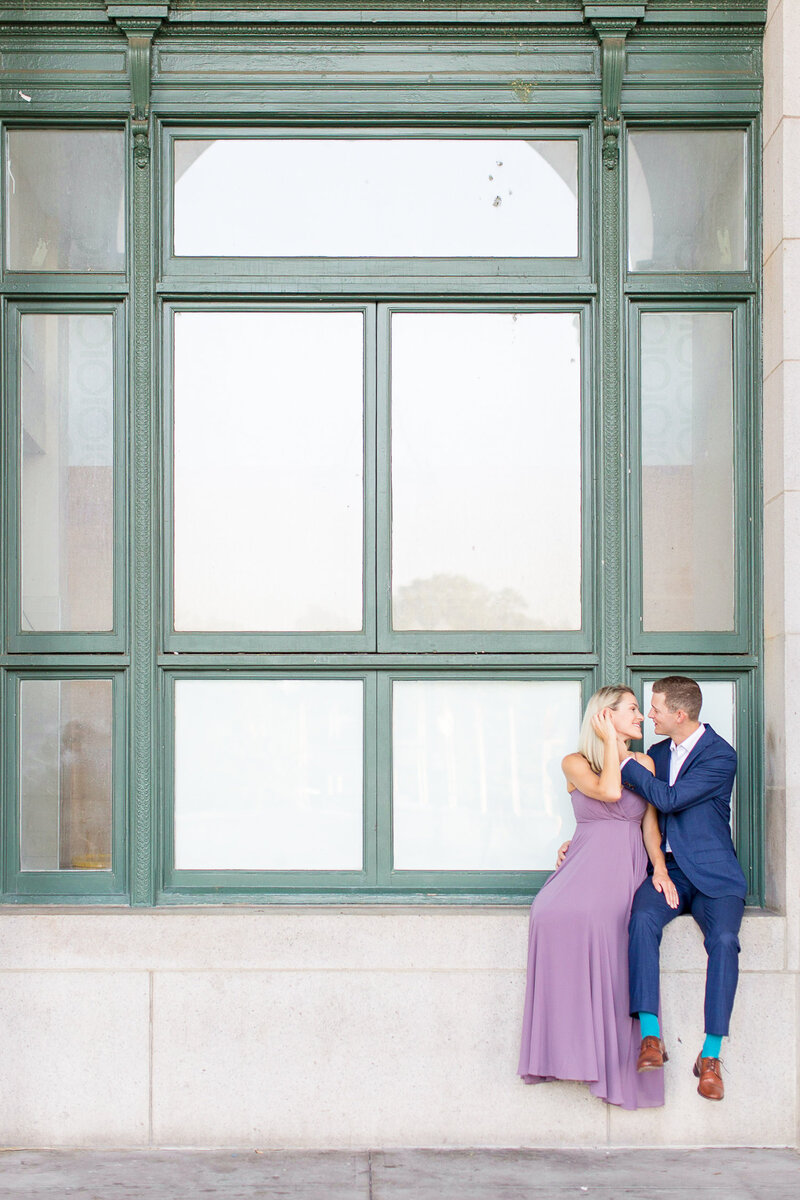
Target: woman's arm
{"points": [[607, 786], [652, 844]]}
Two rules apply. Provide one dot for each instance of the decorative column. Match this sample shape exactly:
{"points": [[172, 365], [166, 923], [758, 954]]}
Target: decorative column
{"points": [[140, 22], [612, 23]]}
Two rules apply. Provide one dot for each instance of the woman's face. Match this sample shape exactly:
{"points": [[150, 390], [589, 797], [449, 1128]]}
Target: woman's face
{"points": [[626, 717]]}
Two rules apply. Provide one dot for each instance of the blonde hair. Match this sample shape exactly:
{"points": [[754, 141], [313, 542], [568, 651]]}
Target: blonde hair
{"points": [[590, 745]]}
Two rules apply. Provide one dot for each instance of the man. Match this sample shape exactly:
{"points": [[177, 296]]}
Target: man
{"points": [[695, 770]]}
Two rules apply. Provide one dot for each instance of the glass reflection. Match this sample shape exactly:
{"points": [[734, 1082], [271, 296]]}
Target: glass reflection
{"points": [[486, 471], [477, 782], [362, 197], [268, 470], [268, 774], [686, 200], [65, 731], [65, 200], [687, 471], [67, 453]]}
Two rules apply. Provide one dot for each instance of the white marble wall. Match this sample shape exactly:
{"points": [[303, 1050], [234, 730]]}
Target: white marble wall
{"points": [[345, 1028]]}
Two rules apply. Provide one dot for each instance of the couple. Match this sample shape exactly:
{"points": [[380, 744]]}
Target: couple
{"points": [[592, 1000]]}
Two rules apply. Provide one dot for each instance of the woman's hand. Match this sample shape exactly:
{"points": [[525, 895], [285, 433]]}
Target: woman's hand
{"points": [[662, 883], [562, 854], [603, 726]]}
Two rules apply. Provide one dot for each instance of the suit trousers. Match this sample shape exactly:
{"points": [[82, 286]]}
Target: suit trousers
{"points": [[719, 917]]}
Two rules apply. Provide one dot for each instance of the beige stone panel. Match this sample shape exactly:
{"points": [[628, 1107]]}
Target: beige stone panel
{"points": [[760, 1072], [773, 72], [791, 572], [781, 438], [314, 938], [789, 137], [353, 1059], [775, 848], [773, 347], [776, 601], [775, 700], [773, 172], [267, 937], [75, 1054], [792, 873]]}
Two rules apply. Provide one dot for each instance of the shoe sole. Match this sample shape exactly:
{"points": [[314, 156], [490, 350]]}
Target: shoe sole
{"points": [[652, 1066], [696, 1074]]}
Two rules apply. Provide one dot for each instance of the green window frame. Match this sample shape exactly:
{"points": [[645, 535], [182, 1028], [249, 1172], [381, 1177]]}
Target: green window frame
{"points": [[503, 74]]}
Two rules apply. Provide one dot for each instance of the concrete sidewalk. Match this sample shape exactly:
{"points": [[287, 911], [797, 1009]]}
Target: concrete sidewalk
{"points": [[399, 1174]]}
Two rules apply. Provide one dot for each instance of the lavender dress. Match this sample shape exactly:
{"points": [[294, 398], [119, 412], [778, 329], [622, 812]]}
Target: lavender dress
{"points": [[576, 1023]]}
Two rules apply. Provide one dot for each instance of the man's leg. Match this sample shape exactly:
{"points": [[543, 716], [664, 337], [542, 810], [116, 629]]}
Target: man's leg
{"points": [[719, 918], [649, 914]]}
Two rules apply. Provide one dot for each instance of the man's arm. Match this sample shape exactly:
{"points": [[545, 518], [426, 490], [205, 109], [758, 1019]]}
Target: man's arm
{"points": [[704, 780]]}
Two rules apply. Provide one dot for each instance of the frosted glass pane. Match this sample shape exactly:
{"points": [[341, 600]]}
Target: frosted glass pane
{"points": [[363, 197], [686, 200], [268, 774], [67, 455], [65, 738], [268, 470], [478, 784], [65, 200], [719, 709], [486, 471], [687, 471]]}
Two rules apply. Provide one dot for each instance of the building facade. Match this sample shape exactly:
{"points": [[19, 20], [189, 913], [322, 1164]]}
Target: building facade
{"points": [[296, 629]]}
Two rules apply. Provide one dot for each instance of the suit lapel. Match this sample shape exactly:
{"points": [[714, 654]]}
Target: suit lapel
{"points": [[697, 750]]}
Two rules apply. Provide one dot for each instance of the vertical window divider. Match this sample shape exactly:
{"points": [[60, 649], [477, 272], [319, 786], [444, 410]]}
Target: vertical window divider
{"points": [[144, 550]]}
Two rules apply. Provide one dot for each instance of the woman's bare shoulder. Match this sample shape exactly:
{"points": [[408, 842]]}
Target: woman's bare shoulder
{"points": [[645, 761]]}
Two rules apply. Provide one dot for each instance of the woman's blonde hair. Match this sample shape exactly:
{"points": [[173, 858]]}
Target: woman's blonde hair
{"points": [[590, 745]]}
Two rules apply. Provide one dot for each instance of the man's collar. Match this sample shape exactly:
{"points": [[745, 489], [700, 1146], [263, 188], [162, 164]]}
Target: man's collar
{"points": [[688, 744]]}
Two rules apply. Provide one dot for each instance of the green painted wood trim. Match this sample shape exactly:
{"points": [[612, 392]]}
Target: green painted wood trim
{"points": [[143, 516]]}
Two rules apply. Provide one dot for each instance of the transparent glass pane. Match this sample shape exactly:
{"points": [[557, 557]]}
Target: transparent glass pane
{"points": [[687, 471], [718, 711], [65, 200], [67, 456], [268, 470], [360, 197], [65, 737], [268, 774], [686, 200], [478, 784], [486, 471]]}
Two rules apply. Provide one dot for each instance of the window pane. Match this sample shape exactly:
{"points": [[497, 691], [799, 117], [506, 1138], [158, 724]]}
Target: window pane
{"points": [[686, 200], [687, 471], [486, 471], [477, 773], [65, 193], [67, 454], [65, 774], [718, 711], [268, 470], [358, 197], [268, 774]]}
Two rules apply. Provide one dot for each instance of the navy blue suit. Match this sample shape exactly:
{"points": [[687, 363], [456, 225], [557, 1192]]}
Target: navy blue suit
{"points": [[694, 815]]}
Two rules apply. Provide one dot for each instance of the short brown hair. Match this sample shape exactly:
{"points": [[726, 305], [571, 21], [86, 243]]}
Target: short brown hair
{"points": [[680, 692]]}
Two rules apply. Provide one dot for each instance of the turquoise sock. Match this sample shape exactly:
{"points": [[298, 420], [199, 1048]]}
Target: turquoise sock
{"points": [[648, 1023], [711, 1046]]}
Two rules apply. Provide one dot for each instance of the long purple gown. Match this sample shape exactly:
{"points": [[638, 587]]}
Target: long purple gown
{"points": [[577, 1023]]}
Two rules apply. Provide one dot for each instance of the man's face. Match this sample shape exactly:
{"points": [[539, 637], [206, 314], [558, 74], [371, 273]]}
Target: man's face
{"points": [[666, 723]]}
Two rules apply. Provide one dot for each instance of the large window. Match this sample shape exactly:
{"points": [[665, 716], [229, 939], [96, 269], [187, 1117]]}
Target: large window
{"points": [[314, 545]]}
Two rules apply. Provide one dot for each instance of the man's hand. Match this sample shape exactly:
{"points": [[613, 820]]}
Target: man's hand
{"points": [[662, 883], [562, 853]]}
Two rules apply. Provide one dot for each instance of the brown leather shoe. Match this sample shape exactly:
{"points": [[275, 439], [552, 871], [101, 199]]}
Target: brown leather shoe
{"points": [[709, 1072], [652, 1055]]}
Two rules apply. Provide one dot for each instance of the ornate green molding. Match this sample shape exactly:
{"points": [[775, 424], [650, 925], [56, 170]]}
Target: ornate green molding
{"points": [[139, 22], [612, 23]]}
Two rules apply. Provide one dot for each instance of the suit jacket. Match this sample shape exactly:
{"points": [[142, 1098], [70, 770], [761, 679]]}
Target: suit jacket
{"points": [[695, 811]]}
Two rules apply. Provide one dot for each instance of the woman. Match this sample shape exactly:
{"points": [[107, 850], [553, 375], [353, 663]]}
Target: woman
{"points": [[577, 1023]]}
